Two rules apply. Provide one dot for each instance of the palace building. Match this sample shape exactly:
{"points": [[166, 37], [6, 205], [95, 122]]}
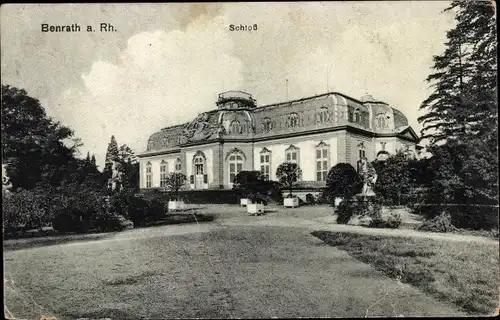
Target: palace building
{"points": [[315, 132]]}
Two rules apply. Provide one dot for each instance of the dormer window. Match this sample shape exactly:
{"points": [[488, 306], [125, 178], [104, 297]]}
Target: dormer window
{"points": [[267, 125], [357, 116], [293, 120], [235, 127], [322, 115]]}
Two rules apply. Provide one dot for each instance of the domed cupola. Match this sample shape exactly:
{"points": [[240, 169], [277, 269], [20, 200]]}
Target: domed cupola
{"points": [[235, 113]]}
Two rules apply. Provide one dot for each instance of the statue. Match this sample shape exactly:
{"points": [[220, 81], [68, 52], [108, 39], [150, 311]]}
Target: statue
{"points": [[369, 176], [6, 184], [201, 128]]}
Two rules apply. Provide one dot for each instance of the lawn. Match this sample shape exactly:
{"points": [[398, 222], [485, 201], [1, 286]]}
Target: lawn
{"points": [[216, 272], [465, 274]]}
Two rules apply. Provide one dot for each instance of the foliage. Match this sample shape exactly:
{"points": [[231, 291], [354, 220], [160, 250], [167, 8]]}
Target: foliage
{"points": [[175, 181], [345, 210], [111, 221], [250, 183], [461, 120], [392, 222], [36, 148], [288, 173], [342, 181], [399, 176], [24, 209], [111, 157], [464, 82], [448, 270], [143, 209], [441, 223], [451, 192]]}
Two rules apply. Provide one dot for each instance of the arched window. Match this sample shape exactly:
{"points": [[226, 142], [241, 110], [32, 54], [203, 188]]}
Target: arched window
{"points": [[322, 115], [199, 178], [235, 162], [265, 163], [357, 116], [381, 123], [293, 120], [267, 125], [163, 174], [322, 161], [149, 175], [178, 165], [292, 154], [235, 127]]}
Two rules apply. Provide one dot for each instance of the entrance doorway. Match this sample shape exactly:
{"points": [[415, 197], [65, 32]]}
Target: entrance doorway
{"points": [[199, 171]]}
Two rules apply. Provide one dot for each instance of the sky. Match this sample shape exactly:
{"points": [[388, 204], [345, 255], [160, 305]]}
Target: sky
{"points": [[165, 63]]}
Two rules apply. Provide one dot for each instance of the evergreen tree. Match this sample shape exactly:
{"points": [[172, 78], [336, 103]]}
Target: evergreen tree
{"points": [[461, 119], [463, 103], [125, 154], [111, 157]]}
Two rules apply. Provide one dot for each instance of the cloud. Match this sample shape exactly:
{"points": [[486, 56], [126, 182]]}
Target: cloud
{"points": [[164, 78]]}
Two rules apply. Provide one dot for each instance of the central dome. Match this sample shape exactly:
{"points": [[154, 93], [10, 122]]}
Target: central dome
{"points": [[235, 100]]}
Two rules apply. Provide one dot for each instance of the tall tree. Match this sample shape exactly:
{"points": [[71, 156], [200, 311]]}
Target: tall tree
{"points": [[125, 153], [463, 102], [36, 148], [462, 110], [111, 158]]}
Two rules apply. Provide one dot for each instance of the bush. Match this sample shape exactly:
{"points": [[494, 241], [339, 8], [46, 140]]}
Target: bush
{"points": [[25, 209], [474, 217], [441, 223], [393, 222], [342, 181], [345, 210], [142, 210], [113, 222]]}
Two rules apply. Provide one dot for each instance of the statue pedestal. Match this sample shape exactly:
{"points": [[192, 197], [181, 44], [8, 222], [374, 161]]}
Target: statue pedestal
{"points": [[366, 207]]}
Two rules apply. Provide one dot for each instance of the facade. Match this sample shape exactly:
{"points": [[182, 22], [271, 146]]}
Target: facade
{"points": [[315, 132]]}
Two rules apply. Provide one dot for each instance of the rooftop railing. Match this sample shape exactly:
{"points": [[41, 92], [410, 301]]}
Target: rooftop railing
{"points": [[235, 94]]}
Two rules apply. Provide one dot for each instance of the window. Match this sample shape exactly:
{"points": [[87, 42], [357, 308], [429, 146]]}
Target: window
{"points": [[235, 166], [163, 174], [322, 161], [357, 116], [382, 144], [380, 121], [198, 177], [178, 165], [292, 154], [322, 115], [350, 115], [267, 125], [199, 162], [265, 163], [235, 127], [149, 175], [293, 120]]}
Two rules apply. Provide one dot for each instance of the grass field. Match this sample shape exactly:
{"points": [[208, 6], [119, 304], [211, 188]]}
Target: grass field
{"points": [[213, 272], [465, 274]]}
